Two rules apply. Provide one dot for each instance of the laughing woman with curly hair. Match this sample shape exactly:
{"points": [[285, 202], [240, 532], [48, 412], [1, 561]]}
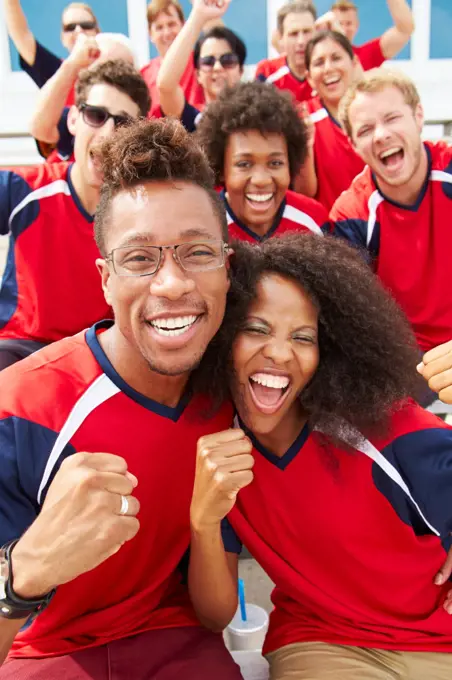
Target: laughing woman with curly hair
{"points": [[334, 479], [256, 143]]}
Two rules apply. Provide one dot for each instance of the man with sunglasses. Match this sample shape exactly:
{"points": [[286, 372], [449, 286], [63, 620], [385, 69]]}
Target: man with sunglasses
{"points": [[48, 124], [219, 55], [40, 64], [50, 286], [112, 434]]}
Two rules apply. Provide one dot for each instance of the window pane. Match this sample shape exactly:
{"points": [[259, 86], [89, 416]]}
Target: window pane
{"points": [[441, 30], [247, 18]]}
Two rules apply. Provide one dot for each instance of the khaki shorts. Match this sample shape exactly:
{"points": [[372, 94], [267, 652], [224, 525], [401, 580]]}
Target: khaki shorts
{"points": [[322, 661]]}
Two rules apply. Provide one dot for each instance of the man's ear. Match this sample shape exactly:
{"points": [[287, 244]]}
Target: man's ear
{"points": [[72, 119], [104, 272], [419, 116]]}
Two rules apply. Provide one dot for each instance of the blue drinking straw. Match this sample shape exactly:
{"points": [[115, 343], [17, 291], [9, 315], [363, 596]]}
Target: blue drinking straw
{"points": [[242, 599]]}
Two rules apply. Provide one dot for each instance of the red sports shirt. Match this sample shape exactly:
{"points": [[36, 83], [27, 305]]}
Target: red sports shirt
{"points": [[370, 54], [336, 162], [68, 398], [410, 246], [51, 287], [353, 539], [277, 71], [296, 213]]}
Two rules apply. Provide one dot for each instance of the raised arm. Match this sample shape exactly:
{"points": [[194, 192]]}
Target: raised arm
{"points": [[223, 467], [306, 181], [395, 38], [172, 98], [19, 31], [52, 97]]}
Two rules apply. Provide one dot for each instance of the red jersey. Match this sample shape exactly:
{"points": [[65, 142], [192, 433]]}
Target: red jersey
{"points": [[336, 163], [353, 539], [410, 246], [68, 398], [277, 71], [192, 90], [51, 287], [370, 54], [296, 213]]}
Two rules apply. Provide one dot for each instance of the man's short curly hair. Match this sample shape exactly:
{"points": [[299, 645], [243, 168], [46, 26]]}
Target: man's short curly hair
{"points": [[119, 74], [251, 106], [152, 151], [368, 352]]}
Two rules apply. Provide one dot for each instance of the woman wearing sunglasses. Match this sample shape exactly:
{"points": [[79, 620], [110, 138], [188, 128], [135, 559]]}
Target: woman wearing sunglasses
{"points": [[35, 59], [219, 55], [335, 481]]}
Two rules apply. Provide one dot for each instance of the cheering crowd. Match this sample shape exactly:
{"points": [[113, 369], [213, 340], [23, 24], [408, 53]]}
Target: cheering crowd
{"points": [[225, 312]]}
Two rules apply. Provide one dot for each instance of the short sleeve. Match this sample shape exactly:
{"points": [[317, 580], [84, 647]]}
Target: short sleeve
{"points": [[370, 54], [13, 190], [17, 508], [231, 541], [350, 223], [190, 117], [45, 65], [424, 459], [65, 145], [25, 447]]}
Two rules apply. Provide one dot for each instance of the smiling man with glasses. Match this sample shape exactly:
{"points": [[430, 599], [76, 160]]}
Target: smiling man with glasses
{"points": [[50, 286], [101, 470]]}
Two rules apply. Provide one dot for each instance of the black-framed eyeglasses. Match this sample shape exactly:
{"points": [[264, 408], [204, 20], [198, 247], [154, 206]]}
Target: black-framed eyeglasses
{"points": [[84, 25], [228, 60], [96, 116], [144, 260]]}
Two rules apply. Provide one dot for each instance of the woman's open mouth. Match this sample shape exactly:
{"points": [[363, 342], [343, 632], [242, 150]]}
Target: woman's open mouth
{"points": [[269, 391]]}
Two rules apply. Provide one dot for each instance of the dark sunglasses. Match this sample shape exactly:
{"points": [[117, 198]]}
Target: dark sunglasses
{"points": [[228, 60], [84, 25], [96, 116]]}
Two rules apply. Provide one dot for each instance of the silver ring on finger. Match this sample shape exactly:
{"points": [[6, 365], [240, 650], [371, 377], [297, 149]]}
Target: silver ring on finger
{"points": [[124, 505]]}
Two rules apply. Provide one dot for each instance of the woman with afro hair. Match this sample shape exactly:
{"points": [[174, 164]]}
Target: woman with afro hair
{"points": [[255, 143], [336, 481]]}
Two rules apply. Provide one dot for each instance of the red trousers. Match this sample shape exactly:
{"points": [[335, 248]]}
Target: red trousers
{"points": [[169, 654]]}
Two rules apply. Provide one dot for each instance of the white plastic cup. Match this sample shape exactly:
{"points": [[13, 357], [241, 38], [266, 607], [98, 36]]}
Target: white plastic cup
{"points": [[248, 635]]}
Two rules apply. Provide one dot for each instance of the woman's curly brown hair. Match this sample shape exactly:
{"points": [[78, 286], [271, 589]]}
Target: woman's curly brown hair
{"points": [[147, 151], [251, 106], [368, 352]]}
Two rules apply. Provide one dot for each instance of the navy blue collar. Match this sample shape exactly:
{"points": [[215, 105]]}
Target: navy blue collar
{"points": [[247, 230], [415, 206], [332, 118], [280, 462], [300, 80], [77, 201], [165, 411]]}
